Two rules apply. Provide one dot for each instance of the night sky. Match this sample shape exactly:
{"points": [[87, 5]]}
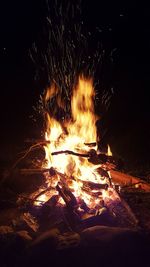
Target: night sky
{"points": [[125, 30]]}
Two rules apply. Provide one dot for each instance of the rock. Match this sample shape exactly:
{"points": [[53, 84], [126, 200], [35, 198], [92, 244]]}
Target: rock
{"points": [[102, 234], [68, 240]]}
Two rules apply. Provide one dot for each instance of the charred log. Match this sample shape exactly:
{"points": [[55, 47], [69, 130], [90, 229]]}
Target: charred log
{"points": [[94, 186], [69, 152], [91, 144], [67, 196], [129, 180], [42, 192], [89, 192]]}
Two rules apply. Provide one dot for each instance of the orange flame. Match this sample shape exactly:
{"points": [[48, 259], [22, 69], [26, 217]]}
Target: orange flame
{"points": [[109, 153], [78, 131]]}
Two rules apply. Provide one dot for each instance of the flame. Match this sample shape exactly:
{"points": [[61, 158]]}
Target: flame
{"points": [[74, 135], [83, 111], [80, 130], [109, 153]]}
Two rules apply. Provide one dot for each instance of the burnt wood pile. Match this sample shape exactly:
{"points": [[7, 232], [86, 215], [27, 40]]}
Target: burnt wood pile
{"points": [[28, 226]]}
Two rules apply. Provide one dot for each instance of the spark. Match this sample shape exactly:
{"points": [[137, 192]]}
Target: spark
{"points": [[66, 50]]}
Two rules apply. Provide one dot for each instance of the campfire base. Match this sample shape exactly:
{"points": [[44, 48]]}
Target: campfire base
{"points": [[99, 245], [41, 235]]}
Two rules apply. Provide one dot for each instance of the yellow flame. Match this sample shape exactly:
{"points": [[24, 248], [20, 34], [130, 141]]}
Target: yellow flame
{"points": [[79, 131], [109, 153], [82, 108]]}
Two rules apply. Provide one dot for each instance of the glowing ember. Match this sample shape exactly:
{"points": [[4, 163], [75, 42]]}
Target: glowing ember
{"points": [[72, 175]]}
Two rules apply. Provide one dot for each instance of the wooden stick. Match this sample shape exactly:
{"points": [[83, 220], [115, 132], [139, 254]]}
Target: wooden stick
{"points": [[94, 186], [42, 192], [126, 180], [69, 152], [60, 191], [90, 144], [91, 193], [92, 155]]}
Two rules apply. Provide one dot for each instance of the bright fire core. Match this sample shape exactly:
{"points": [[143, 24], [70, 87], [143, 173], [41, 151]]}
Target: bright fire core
{"points": [[72, 171]]}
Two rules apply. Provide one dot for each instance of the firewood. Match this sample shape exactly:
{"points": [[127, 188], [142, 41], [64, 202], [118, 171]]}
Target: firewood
{"points": [[100, 158], [94, 186], [129, 210], [92, 156], [89, 192], [73, 201], [102, 172], [90, 144], [30, 221], [67, 196], [61, 193], [71, 216], [63, 177], [83, 205], [69, 152], [48, 207], [52, 201], [126, 180], [42, 192]]}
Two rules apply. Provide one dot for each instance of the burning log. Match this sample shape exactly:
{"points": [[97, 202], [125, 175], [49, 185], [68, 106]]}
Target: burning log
{"points": [[91, 193], [48, 207], [128, 180], [90, 144], [83, 206], [63, 177], [67, 196], [92, 156], [100, 158], [102, 172], [69, 152], [71, 216], [42, 192], [52, 201], [94, 186]]}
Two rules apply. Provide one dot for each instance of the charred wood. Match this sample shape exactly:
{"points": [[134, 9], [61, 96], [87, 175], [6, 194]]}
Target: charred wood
{"points": [[67, 196], [94, 186], [69, 152], [42, 192], [126, 180], [102, 172], [91, 144], [89, 192]]}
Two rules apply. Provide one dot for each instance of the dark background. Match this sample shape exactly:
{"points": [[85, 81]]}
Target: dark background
{"points": [[125, 30]]}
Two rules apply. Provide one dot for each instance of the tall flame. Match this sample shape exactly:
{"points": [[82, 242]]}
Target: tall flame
{"points": [[74, 135], [80, 130], [83, 111]]}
